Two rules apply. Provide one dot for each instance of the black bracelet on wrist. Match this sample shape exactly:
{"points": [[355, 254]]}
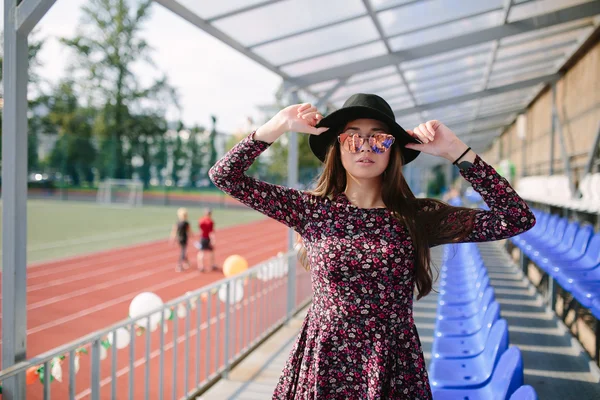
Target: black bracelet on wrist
{"points": [[461, 156]]}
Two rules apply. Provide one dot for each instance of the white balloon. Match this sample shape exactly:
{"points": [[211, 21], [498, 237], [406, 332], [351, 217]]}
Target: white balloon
{"points": [[181, 311], [76, 359], [142, 304], [271, 271], [103, 353], [56, 370], [236, 292], [123, 338]]}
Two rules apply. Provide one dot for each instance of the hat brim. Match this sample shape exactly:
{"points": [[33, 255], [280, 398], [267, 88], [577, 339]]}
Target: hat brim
{"points": [[337, 119]]}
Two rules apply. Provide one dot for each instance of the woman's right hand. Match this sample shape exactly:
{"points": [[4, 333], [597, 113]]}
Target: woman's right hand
{"points": [[300, 118]]}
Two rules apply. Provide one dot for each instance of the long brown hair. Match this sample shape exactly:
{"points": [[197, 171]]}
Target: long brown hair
{"points": [[404, 206]]}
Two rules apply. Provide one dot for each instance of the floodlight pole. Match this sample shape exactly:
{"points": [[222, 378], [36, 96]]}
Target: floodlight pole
{"points": [[20, 17]]}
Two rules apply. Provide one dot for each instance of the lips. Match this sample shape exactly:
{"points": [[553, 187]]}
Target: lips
{"points": [[365, 160]]}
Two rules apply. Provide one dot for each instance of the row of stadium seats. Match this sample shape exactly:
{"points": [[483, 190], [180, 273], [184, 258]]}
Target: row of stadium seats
{"points": [[555, 190], [569, 252], [471, 357]]}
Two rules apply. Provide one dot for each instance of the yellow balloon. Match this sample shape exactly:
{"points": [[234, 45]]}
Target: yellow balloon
{"points": [[234, 265]]}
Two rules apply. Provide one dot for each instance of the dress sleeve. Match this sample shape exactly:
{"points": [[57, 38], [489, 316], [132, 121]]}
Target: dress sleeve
{"points": [[289, 206], [508, 214]]}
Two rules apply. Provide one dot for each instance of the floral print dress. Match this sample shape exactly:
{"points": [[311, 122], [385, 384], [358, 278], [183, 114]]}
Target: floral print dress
{"points": [[359, 340]]}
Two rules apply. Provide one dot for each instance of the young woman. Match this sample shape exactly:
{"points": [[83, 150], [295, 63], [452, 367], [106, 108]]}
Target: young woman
{"points": [[366, 242]]}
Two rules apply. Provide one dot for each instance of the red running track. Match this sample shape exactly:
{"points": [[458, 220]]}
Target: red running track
{"points": [[70, 298]]}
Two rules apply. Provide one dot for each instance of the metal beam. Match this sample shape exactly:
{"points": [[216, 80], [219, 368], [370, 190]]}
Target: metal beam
{"points": [[30, 12], [495, 33], [242, 10], [484, 93], [14, 201]]}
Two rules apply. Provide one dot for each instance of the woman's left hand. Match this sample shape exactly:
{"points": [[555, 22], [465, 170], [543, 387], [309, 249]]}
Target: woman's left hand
{"points": [[437, 139]]}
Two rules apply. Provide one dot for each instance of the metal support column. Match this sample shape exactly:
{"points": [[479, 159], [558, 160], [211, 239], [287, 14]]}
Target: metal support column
{"points": [[563, 146], [552, 131], [14, 201], [594, 154], [552, 293], [292, 183], [524, 263]]}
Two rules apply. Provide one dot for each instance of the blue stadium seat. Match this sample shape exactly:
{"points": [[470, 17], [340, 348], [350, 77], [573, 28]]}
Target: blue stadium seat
{"points": [[559, 242], [567, 274], [586, 292], [466, 282], [566, 253], [463, 311], [463, 346], [542, 237], [525, 392], [464, 295], [474, 371], [467, 326], [506, 379]]}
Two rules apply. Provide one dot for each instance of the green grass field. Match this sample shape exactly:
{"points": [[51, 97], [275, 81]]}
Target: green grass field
{"points": [[58, 229]]}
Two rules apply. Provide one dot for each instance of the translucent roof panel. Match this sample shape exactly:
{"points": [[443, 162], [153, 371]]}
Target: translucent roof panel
{"points": [[335, 59], [446, 81], [373, 74], [535, 8], [384, 4], [551, 31], [436, 70], [391, 81], [515, 63], [323, 86], [446, 31], [536, 45], [211, 9], [287, 17], [424, 14], [521, 76], [309, 44], [431, 96], [448, 56]]}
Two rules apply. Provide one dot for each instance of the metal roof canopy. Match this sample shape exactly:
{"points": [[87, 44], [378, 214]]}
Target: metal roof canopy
{"points": [[428, 58]]}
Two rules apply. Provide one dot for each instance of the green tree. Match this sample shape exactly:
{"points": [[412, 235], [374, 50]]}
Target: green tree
{"points": [[148, 130], [74, 153], [107, 46], [160, 157]]}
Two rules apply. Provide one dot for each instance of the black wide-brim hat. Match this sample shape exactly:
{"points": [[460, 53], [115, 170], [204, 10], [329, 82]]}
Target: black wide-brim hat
{"points": [[359, 106]]}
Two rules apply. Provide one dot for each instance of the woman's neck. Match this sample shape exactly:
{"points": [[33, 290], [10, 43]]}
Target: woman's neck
{"points": [[364, 193]]}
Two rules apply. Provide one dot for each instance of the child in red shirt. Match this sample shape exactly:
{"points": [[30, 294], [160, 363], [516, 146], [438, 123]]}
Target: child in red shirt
{"points": [[207, 240]]}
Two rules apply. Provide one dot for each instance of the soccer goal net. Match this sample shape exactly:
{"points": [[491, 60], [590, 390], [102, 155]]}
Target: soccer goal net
{"points": [[120, 191]]}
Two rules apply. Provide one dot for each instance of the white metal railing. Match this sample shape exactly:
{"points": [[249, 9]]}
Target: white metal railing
{"points": [[178, 349]]}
